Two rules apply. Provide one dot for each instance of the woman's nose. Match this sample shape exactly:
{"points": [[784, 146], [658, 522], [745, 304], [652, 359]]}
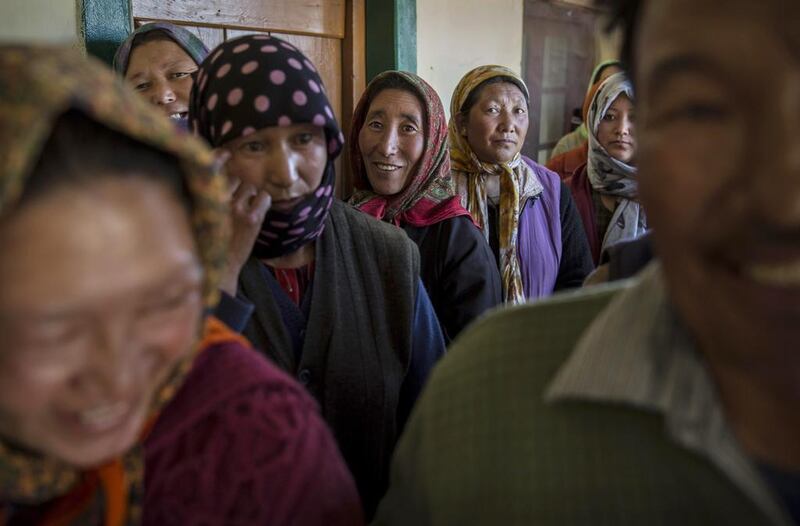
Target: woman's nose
{"points": [[387, 145], [506, 123], [282, 169], [162, 94]]}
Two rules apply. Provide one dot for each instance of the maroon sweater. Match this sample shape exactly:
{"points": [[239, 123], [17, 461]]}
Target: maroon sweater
{"points": [[242, 443]]}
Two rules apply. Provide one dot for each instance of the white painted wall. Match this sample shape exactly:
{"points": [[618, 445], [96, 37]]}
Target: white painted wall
{"points": [[50, 21], [454, 36]]}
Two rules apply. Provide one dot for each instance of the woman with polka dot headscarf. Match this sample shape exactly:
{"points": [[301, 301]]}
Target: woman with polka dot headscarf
{"points": [[332, 295]]}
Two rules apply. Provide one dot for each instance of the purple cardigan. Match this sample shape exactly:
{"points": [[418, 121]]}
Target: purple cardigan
{"points": [[540, 243]]}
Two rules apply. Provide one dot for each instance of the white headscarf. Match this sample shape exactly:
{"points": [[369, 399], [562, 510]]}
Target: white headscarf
{"points": [[610, 176]]}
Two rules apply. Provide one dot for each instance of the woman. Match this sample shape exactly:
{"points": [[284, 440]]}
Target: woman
{"points": [[111, 410], [527, 215], [335, 296], [605, 189], [580, 135], [159, 60], [401, 171]]}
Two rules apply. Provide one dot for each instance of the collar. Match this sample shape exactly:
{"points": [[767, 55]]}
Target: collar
{"points": [[638, 352]]}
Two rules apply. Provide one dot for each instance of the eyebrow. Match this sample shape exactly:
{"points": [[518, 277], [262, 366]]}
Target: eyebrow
{"points": [[381, 113], [183, 63], [681, 65]]}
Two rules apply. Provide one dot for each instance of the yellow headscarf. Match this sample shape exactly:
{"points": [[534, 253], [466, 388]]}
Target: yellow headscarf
{"points": [[37, 86], [518, 182]]}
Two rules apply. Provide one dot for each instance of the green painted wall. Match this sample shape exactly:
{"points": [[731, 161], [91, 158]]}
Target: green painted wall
{"points": [[106, 23], [391, 34]]}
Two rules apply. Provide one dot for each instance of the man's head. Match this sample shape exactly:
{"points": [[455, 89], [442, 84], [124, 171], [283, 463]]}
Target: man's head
{"points": [[719, 163]]}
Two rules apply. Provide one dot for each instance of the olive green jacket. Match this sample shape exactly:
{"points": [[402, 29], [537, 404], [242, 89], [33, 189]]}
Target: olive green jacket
{"points": [[590, 408]]}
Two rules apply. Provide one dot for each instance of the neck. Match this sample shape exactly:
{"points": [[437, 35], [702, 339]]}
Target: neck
{"points": [[762, 405], [299, 258]]}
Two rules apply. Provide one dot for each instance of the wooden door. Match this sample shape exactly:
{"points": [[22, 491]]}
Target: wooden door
{"points": [[558, 57], [329, 32]]}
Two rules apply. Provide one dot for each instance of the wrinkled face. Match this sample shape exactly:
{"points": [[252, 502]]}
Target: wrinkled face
{"points": [[719, 167], [287, 162], [391, 140], [497, 124], [96, 308], [615, 132], [161, 71]]}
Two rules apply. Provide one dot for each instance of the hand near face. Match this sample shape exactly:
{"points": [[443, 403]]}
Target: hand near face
{"points": [[249, 206]]}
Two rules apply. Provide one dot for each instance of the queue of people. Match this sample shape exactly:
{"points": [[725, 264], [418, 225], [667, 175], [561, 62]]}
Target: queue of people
{"points": [[194, 329]]}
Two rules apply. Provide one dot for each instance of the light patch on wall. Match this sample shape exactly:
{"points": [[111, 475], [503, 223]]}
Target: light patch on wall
{"points": [[454, 36], [42, 21]]}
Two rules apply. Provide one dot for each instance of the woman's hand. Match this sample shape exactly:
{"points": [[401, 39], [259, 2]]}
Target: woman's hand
{"points": [[249, 205]]}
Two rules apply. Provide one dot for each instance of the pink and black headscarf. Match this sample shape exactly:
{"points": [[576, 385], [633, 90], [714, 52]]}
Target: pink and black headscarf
{"points": [[256, 82]]}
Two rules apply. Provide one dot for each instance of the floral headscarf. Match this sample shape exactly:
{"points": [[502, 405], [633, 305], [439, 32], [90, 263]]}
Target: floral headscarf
{"points": [[256, 82], [192, 45], [610, 176], [430, 193], [37, 85], [518, 182]]}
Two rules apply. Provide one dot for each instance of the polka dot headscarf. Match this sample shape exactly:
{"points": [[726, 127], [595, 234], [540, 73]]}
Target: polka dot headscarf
{"points": [[256, 82]]}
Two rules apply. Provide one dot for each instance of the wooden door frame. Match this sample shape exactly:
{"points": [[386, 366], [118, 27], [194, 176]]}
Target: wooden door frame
{"points": [[106, 23]]}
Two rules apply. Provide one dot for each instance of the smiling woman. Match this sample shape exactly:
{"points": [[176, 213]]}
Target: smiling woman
{"points": [[158, 60], [401, 171], [114, 383]]}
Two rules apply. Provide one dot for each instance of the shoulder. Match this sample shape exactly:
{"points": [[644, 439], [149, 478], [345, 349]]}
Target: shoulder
{"points": [[516, 342], [364, 236], [224, 374], [350, 217], [248, 453], [547, 175]]}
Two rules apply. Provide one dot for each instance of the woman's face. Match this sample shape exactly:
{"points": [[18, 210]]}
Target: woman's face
{"points": [[287, 162], [162, 72], [391, 140], [96, 308], [616, 131], [497, 124]]}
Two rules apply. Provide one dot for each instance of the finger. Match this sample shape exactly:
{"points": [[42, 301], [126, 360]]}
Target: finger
{"points": [[221, 157], [242, 197], [260, 206], [233, 185]]}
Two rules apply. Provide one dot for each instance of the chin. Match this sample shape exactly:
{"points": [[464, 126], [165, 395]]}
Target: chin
{"points": [[98, 450]]}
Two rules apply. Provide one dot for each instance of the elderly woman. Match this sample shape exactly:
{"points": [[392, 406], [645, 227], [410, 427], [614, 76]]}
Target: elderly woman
{"points": [[158, 60], [605, 189], [401, 171], [114, 232], [335, 296], [526, 213]]}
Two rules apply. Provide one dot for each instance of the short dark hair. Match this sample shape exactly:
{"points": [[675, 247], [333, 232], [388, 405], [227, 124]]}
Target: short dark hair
{"points": [[79, 149], [473, 96], [626, 15]]}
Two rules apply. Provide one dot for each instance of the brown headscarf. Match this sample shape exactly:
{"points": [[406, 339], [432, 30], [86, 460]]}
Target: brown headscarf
{"points": [[429, 196], [37, 86]]}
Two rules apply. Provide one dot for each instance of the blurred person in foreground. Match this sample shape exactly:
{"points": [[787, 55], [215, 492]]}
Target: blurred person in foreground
{"points": [[675, 398]]}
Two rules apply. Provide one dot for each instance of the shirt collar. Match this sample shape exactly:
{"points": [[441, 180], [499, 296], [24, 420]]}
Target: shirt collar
{"points": [[638, 352]]}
